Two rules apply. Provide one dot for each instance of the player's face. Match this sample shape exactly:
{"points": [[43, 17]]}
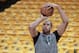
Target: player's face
{"points": [[47, 26]]}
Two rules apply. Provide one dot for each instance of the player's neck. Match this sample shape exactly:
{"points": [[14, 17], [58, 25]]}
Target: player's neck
{"points": [[46, 33]]}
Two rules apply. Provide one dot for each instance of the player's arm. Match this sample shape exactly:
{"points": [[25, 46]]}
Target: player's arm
{"points": [[32, 26], [62, 27]]}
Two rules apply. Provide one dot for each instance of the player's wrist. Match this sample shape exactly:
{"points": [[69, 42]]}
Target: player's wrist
{"points": [[58, 7], [43, 17]]}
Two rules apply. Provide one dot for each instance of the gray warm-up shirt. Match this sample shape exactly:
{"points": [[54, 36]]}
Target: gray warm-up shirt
{"points": [[46, 43]]}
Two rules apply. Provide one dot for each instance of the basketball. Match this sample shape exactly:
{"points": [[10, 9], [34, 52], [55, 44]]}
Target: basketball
{"points": [[47, 11]]}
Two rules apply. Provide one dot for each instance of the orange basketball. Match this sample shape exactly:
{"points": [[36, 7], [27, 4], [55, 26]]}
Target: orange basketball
{"points": [[47, 11]]}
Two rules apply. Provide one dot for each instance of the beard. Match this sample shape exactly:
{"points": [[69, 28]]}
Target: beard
{"points": [[46, 31]]}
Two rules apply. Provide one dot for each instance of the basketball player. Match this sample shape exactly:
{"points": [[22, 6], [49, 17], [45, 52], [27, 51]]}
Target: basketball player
{"points": [[46, 41]]}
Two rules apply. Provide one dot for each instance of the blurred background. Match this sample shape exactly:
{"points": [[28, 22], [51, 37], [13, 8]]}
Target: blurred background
{"points": [[16, 15]]}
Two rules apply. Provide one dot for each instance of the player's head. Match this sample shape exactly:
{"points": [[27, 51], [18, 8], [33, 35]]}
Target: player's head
{"points": [[47, 26]]}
